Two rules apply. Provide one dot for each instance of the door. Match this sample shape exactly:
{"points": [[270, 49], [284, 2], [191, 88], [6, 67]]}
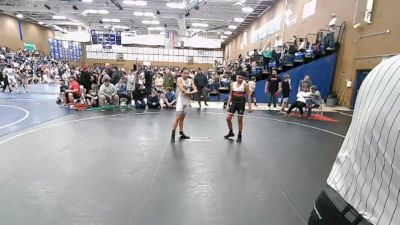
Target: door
{"points": [[361, 75]]}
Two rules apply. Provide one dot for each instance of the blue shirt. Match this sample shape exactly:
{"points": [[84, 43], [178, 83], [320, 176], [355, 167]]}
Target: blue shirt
{"points": [[122, 89], [170, 96]]}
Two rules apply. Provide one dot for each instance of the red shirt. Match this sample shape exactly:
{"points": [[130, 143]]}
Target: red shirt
{"points": [[75, 86]]}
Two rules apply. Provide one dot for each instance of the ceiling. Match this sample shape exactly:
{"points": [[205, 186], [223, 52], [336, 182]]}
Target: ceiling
{"points": [[218, 14]]}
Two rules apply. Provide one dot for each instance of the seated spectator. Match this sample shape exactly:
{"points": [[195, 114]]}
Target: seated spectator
{"points": [[72, 93], [60, 97], [153, 101], [301, 101], [122, 92], [92, 95], [107, 92], [169, 98], [314, 101], [138, 96]]}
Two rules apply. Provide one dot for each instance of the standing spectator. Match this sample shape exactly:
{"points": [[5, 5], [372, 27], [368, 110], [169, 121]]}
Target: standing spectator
{"points": [[306, 82], [159, 83], [286, 89], [252, 87], [138, 97], [108, 92], [272, 88], [148, 82], [131, 82], [331, 35], [278, 48], [86, 78], [116, 75], [10, 75], [73, 92], [169, 79], [200, 80]]}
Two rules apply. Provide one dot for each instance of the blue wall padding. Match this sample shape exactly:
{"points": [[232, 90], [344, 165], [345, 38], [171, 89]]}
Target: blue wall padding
{"points": [[322, 72]]}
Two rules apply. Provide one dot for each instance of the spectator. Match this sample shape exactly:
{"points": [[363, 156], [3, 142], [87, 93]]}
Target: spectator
{"points": [[252, 87], [86, 78], [169, 98], [306, 83], [169, 80], [272, 88], [122, 92], [302, 47], [10, 75], [92, 95], [201, 82], [314, 101], [153, 101], [301, 101], [72, 93], [148, 82], [331, 35], [108, 92], [116, 75], [60, 98], [286, 89], [142, 80], [131, 83], [159, 83], [138, 97]]}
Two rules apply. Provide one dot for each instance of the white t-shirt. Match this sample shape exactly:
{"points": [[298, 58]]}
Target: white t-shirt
{"points": [[366, 172], [302, 96], [10, 72], [181, 97], [278, 46]]}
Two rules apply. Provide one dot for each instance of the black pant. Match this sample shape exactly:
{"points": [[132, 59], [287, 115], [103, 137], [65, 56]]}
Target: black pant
{"points": [[6, 85], [200, 91], [328, 214], [297, 104]]}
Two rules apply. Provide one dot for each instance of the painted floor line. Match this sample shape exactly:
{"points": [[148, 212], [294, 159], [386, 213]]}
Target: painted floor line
{"points": [[18, 121]]}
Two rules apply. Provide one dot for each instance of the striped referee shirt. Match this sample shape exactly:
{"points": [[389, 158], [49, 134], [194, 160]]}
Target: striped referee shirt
{"points": [[366, 172]]}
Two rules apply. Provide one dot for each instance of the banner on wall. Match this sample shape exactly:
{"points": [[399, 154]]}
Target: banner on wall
{"points": [[290, 18], [30, 47], [267, 29], [309, 8]]}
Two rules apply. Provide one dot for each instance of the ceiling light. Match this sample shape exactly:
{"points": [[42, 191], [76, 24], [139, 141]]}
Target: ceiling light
{"points": [[20, 16], [162, 33], [87, 1], [149, 14], [155, 28], [228, 32], [223, 36], [130, 2], [195, 30], [91, 11], [138, 13], [41, 23], [199, 24], [175, 5], [111, 20], [59, 17], [103, 11], [141, 3], [238, 19], [121, 27], [247, 9], [232, 27], [155, 22]]}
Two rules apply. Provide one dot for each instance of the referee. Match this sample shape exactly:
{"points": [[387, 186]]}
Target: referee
{"points": [[364, 184]]}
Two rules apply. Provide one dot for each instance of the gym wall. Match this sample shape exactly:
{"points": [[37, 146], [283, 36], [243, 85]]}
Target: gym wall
{"points": [[32, 33], [362, 48]]}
